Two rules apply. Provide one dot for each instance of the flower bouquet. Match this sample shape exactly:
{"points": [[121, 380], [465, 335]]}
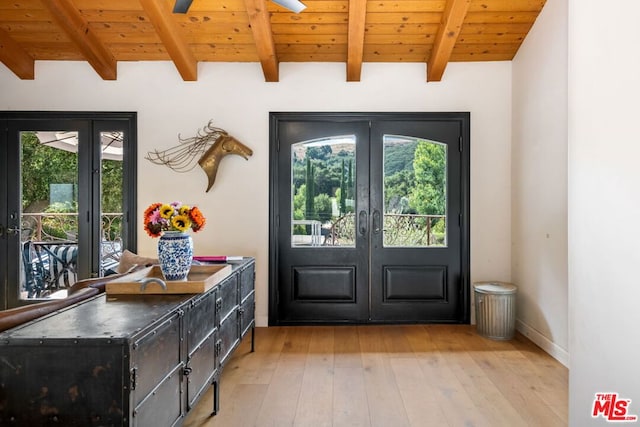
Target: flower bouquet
{"points": [[175, 216], [171, 222]]}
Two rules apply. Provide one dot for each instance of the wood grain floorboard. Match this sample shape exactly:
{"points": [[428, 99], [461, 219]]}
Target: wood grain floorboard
{"points": [[350, 405], [347, 347], [315, 404], [383, 396], [388, 376]]}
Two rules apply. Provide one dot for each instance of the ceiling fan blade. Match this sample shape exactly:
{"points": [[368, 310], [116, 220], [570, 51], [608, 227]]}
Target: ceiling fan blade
{"points": [[182, 6], [293, 5]]}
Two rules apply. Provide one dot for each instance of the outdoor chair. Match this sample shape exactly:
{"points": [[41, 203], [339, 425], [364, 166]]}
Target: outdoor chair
{"points": [[62, 265], [110, 253], [36, 276], [48, 267]]}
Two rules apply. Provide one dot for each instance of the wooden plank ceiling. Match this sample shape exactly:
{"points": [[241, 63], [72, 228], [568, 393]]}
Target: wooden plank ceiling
{"points": [[104, 32]]}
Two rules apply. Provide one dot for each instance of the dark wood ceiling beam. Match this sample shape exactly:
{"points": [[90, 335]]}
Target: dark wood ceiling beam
{"points": [[15, 58], [452, 18], [263, 37], [77, 28], [161, 16], [355, 49]]}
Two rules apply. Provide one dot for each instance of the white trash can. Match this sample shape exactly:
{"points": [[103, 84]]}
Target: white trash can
{"points": [[495, 309]]}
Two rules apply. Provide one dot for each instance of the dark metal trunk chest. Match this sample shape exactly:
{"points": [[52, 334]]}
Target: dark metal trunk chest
{"points": [[138, 360]]}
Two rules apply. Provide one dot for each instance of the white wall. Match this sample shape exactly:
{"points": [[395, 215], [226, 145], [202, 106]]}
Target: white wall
{"points": [[237, 99], [604, 204], [539, 182]]}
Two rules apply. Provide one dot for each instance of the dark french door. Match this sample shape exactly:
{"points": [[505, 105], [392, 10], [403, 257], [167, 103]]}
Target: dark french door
{"points": [[67, 191], [369, 218]]}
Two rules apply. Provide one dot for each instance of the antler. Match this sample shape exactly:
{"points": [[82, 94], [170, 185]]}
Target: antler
{"points": [[181, 158]]}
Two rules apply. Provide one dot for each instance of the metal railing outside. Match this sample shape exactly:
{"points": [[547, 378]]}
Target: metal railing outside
{"points": [[401, 230]]}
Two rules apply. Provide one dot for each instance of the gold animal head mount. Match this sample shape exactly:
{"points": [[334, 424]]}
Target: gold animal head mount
{"points": [[224, 145], [214, 142]]}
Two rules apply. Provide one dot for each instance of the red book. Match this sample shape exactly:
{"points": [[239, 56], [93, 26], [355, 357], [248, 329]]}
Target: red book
{"points": [[216, 258]]}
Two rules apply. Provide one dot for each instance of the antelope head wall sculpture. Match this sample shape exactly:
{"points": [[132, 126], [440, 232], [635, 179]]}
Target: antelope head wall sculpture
{"points": [[214, 142]]}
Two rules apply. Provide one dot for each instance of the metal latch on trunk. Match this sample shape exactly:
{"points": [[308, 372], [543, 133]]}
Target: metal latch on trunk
{"points": [[133, 377]]}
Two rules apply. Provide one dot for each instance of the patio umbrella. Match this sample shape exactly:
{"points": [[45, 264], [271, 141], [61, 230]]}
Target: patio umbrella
{"points": [[111, 142]]}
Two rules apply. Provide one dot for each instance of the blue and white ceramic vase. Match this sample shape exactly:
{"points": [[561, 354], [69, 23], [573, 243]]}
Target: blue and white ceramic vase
{"points": [[175, 254]]}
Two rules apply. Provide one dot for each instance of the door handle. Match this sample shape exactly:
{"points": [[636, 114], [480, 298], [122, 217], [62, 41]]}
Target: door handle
{"points": [[13, 231], [362, 223], [376, 221]]}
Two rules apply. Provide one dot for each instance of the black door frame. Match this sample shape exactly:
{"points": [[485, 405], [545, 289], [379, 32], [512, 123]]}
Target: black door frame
{"points": [[94, 122], [275, 118]]}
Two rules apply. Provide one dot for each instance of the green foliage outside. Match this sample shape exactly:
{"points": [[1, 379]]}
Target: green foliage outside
{"points": [[322, 207], [343, 191], [309, 211], [319, 177], [299, 200], [112, 186], [399, 157], [414, 183], [397, 187], [428, 196], [42, 166]]}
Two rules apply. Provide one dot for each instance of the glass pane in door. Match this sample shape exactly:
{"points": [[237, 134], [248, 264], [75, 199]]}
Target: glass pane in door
{"points": [[49, 216], [323, 192], [111, 200], [415, 192]]}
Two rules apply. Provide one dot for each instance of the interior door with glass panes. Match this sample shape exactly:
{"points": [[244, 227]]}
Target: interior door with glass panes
{"points": [[417, 212], [322, 232], [64, 204], [370, 218], [43, 207]]}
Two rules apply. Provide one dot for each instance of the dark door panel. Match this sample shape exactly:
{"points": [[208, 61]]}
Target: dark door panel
{"points": [[369, 218], [416, 273], [319, 281]]}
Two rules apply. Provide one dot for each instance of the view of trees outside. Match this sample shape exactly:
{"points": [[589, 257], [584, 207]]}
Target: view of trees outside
{"points": [[49, 166], [415, 199], [323, 187], [50, 186]]}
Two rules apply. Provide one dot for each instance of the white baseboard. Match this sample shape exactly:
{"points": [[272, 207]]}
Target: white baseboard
{"points": [[262, 321], [554, 350]]}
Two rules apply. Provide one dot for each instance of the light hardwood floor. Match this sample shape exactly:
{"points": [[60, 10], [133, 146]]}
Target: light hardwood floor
{"points": [[387, 376]]}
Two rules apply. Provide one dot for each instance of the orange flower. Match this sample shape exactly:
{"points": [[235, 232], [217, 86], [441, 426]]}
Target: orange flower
{"points": [[150, 209], [197, 219]]}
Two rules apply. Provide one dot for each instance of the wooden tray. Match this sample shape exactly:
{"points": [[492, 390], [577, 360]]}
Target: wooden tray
{"points": [[201, 278]]}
